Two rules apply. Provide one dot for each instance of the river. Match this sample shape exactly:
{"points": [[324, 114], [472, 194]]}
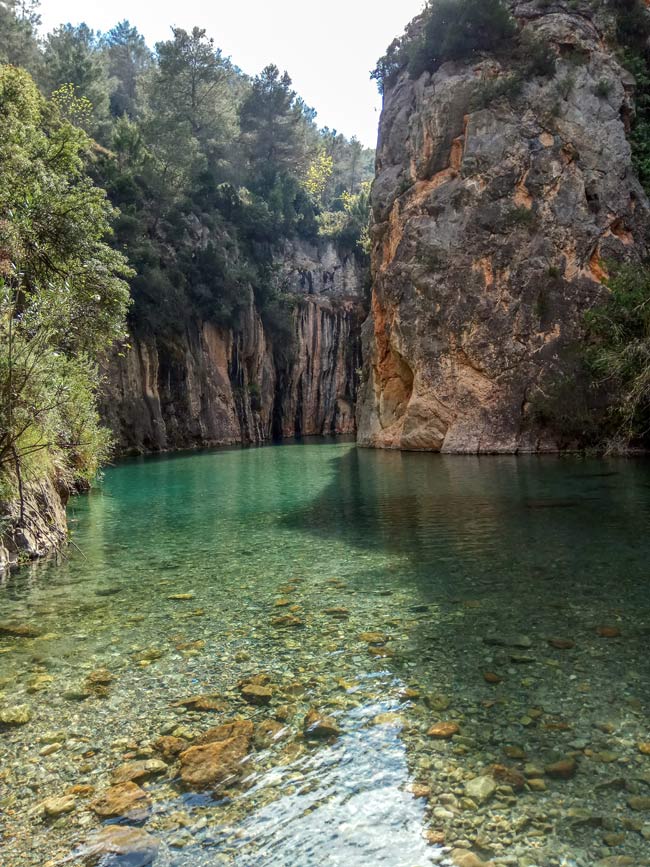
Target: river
{"points": [[504, 597]]}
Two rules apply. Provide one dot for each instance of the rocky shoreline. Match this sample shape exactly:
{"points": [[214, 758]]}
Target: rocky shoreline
{"points": [[503, 780]]}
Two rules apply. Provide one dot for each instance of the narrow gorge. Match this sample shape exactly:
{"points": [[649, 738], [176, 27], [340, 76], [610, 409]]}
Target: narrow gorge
{"points": [[324, 478], [212, 385]]}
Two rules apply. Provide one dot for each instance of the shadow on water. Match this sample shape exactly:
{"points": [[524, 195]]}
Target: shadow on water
{"points": [[532, 574]]}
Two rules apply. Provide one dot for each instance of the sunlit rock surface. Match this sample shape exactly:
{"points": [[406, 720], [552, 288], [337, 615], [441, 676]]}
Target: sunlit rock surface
{"points": [[492, 229]]}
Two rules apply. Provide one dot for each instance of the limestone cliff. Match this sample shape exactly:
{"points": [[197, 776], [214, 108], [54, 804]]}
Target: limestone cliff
{"points": [[211, 385], [494, 217]]}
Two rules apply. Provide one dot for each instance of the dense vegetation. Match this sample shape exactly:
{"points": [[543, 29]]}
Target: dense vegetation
{"points": [[63, 293], [208, 173]]}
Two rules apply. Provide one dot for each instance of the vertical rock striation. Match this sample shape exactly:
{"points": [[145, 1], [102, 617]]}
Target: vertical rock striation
{"points": [[494, 218], [214, 386]]}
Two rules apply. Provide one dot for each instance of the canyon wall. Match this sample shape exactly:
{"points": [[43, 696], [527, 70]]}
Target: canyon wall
{"points": [[211, 385], [495, 215]]}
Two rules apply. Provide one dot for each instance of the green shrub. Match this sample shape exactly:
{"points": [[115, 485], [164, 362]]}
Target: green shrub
{"points": [[519, 216], [619, 350], [603, 89], [493, 90]]}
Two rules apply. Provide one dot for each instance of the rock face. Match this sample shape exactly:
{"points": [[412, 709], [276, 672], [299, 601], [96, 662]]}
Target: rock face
{"points": [[216, 386], [43, 528], [493, 218]]}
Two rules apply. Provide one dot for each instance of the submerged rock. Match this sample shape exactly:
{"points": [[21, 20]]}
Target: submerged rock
{"points": [[138, 772], [19, 630], [19, 715], [129, 846], [54, 807], [562, 770], [217, 763], [562, 643], [269, 732], [123, 801], [480, 789], [640, 803], [202, 703], [609, 631], [443, 730], [513, 640], [464, 858], [239, 728], [255, 694], [169, 747], [318, 725]]}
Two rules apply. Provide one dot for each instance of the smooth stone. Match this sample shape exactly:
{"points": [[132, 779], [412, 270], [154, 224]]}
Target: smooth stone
{"points": [[481, 789], [318, 725], [19, 715], [138, 772], [515, 640], [639, 803], [120, 845], [125, 800], [564, 769], [53, 807], [443, 730]]}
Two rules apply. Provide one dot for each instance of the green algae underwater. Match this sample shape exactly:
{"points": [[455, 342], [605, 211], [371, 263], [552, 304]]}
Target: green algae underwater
{"points": [[470, 635]]}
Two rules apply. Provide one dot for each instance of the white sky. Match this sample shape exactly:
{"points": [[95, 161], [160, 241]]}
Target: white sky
{"points": [[327, 46]]}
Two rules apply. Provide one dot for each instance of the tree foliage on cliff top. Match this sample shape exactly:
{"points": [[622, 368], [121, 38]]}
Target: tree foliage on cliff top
{"points": [[447, 30]]}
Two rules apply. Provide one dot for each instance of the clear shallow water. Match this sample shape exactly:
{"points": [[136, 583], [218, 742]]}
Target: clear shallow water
{"points": [[438, 553]]}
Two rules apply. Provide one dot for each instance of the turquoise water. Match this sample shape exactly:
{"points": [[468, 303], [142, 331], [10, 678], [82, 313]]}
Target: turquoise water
{"points": [[453, 559]]}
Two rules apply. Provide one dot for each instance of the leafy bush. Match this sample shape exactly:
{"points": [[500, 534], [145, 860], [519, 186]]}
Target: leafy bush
{"points": [[490, 91], [63, 294], [619, 350]]}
